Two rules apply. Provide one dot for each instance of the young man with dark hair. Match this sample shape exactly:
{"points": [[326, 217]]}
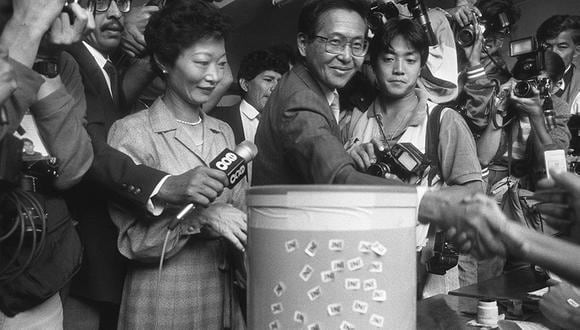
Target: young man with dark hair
{"points": [[402, 113], [258, 75]]}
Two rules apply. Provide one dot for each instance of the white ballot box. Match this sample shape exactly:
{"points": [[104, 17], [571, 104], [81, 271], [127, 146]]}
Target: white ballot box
{"points": [[331, 257]]}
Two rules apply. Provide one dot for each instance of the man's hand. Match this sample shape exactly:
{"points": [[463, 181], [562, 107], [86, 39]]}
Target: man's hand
{"points": [[475, 224], [63, 33], [8, 82], [226, 221], [529, 106], [200, 185], [560, 201], [463, 14], [132, 39], [473, 52], [561, 305], [37, 14], [363, 155]]}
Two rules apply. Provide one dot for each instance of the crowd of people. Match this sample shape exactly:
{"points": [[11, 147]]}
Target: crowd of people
{"points": [[128, 97]]}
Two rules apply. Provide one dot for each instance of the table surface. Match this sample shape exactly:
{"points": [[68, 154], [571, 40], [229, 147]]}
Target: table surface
{"points": [[511, 285], [453, 312]]}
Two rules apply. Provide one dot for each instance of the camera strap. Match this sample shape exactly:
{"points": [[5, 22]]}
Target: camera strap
{"points": [[432, 142]]}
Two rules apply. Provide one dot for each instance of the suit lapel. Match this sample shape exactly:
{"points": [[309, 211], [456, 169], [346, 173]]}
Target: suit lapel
{"points": [[100, 105], [237, 126], [305, 75]]}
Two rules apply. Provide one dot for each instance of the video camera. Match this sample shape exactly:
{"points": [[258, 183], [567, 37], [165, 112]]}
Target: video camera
{"points": [[380, 13], [403, 160]]}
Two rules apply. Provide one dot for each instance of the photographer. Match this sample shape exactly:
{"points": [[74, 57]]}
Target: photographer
{"points": [[401, 114], [480, 34], [523, 134], [32, 285]]}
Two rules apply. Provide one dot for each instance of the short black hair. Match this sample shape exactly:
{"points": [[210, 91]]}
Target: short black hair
{"points": [[312, 10], [490, 10], [259, 61], [27, 140], [408, 29], [180, 24], [557, 24]]}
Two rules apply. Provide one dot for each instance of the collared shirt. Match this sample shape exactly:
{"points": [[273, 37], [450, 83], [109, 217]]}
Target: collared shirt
{"points": [[330, 95], [250, 120], [101, 61]]}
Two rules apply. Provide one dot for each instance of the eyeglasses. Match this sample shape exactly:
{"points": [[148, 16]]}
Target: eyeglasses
{"points": [[103, 5], [337, 45]]}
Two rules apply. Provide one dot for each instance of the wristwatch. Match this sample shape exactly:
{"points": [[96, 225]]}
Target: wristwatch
{"points": [[46, 67]]}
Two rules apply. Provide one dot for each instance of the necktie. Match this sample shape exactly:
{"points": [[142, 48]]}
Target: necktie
{"points": [[335, 106], [112, 72]]}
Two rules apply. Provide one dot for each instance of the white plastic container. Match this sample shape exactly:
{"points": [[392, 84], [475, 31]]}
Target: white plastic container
{"points": [[331, 257]]}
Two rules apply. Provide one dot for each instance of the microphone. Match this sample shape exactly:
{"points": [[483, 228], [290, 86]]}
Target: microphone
{"points": [[233, 164]]}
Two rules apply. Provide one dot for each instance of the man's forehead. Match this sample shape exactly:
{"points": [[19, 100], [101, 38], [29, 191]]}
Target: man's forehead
{"points": [[563, 37], [342, 22]]}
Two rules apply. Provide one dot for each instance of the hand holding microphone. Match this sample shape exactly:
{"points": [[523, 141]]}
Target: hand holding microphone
{"points": [[229, 164]]}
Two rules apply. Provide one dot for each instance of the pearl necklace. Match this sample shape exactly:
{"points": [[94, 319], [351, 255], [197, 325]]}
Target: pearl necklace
{"points": [[195, 123]]}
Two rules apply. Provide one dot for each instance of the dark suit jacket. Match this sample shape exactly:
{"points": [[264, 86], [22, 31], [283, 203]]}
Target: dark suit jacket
{"points": [[232, 116], [298, 138], [112, 174]]}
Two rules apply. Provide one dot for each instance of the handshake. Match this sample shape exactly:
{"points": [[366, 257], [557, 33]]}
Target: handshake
{"points": [[478, 226]]}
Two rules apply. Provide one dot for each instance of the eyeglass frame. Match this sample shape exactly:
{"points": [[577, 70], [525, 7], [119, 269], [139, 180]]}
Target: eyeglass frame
{"points": [[343, 46], [94, 3]]}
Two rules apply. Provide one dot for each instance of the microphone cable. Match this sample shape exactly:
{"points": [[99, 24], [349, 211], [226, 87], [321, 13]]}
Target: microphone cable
{"points": [[28, 211], [172, 225]]}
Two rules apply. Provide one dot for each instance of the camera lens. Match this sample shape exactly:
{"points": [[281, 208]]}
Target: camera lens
{"points": [[465, 36], [523, 89], [379, 169]]}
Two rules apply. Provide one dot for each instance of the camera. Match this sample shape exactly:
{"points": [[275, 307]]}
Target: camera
{"points": [[66, 9], [38, 174], [445, 255], [574, 167], [466, 35], [403, 160], [525, 88]]}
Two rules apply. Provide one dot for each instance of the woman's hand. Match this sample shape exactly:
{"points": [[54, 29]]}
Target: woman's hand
{"points": [[561, 305], [226, 221]]}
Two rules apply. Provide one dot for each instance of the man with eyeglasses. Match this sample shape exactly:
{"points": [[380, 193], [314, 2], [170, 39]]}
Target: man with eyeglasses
{"points": [[96, 289], [298, 135]]}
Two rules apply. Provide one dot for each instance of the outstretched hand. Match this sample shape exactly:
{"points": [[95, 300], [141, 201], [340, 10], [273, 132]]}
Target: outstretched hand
{"points": [[560, 201]]}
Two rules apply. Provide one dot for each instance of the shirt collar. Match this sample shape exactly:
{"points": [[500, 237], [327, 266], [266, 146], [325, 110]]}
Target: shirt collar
{"points": [[163, 120], [248, 110], [98, 56], [419, 112]]}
